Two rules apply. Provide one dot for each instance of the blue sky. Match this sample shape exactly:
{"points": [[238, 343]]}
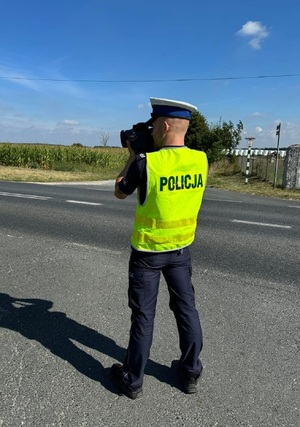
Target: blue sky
{"points": [[72, 71]]}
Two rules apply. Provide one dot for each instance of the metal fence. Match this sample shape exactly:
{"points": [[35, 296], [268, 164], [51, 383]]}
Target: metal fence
{"points": [[263, 167]]}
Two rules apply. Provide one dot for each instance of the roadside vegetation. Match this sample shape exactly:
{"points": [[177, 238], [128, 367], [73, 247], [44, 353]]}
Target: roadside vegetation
{"points": [[47, 163], [59, 163], [39, 163], [61, 158], [227, 175]]}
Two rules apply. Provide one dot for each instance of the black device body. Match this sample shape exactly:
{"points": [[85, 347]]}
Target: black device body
{"points": [[140, 137]]}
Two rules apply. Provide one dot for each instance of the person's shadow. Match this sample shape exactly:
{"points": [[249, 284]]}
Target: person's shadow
{"points": [[56, 332]]}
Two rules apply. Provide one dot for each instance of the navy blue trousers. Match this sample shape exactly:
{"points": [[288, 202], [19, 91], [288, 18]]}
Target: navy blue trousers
{"points": [[145, 269]]}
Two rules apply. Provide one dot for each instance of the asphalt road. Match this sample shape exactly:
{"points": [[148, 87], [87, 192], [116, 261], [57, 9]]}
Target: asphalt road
{"points": [[64, 318]]}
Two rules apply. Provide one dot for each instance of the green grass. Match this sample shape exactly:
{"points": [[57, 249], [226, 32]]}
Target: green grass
{"points": [[254, 186], [10, 173], [227, 176]]}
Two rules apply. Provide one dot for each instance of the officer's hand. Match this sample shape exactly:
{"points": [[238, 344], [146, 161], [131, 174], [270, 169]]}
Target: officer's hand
{"points": [[131, 152]]}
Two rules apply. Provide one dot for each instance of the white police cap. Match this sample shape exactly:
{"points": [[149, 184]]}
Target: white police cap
{"points": [[171, 108]]}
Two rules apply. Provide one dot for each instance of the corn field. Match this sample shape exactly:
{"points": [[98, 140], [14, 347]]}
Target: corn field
{"points": [[61, 157]]}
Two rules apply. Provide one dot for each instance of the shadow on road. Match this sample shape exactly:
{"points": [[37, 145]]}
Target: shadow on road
{"points": [[56, 332]]}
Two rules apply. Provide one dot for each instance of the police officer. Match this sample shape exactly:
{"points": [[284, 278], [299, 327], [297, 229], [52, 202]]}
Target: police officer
{"points": [[170, 182]]}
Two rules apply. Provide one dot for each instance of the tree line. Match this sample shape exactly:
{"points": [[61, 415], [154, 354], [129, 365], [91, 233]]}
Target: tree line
{"points": [[212, 139]]}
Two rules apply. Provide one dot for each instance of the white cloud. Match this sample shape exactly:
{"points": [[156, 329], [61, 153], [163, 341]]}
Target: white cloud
{"points": [[70, 122], [142, 106], [17, 127], [256, 114], [256, 31], [258, 129], [291, 130]]}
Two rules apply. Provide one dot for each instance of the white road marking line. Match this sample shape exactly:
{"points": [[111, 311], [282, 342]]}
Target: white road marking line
{"points": [[227, 201], [84, 203], [264, 224], [25, 196], [297, 207], [92, 248], [15, 237]]}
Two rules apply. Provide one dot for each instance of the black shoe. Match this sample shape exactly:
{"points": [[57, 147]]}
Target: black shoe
{"points": [[190, 384], [117, 378]]}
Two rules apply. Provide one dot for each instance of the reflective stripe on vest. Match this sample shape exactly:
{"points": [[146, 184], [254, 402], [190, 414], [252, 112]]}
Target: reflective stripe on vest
{"points": [[168, 218], [160, 223]]}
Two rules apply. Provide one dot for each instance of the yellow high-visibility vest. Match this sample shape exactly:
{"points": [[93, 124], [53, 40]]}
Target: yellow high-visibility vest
{"points": [[167, 220]]}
